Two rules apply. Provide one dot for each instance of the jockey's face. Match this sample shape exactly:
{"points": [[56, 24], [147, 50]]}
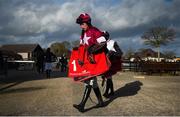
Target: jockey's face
{"points": [[84, 26]]}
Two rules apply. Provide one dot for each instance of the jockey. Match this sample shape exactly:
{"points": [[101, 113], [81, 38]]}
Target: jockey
{"points": [[90, 35]]}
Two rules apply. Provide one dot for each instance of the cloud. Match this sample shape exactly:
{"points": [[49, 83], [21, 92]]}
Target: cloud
{"points": [[48, 21]]}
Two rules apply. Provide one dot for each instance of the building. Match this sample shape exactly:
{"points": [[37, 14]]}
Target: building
{"points": [[27, 51], [147, 55], [10, 55]]}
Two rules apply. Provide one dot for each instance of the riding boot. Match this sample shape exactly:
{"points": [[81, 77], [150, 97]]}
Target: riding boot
{"points": [[111, 87], [99, 97], [107, 89], [80, 106]]}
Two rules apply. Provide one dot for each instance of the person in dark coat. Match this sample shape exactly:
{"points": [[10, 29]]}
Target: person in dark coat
{"points": [[64, 63], [48, 62], [40, 61]]}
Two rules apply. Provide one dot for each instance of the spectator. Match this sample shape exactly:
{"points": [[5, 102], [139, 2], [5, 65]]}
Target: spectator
{"points": [[48, 62]]}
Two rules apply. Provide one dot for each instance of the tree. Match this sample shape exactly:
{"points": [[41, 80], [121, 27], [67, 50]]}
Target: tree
{"points": [[64, 47], [67, 44], [158, 36], [58, 49]]}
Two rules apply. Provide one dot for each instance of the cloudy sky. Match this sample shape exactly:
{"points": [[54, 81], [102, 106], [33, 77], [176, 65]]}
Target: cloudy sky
{"points": [[48, 21]]}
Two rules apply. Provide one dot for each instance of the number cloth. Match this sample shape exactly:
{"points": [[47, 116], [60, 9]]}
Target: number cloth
{"points": [[87, 70]]}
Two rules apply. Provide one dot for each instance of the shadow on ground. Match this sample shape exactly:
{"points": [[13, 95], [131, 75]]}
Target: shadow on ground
{"points": [[129, 89], [20, 90], [16, 77], [58, 74], [22, 76]]}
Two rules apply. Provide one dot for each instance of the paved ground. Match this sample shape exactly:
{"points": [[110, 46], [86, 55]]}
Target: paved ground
{"points": [[28, 93]]}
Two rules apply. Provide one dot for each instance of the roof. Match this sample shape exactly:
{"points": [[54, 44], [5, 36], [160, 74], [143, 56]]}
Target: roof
{"points": [[19, 47], [147, 53], [9, 54]]}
